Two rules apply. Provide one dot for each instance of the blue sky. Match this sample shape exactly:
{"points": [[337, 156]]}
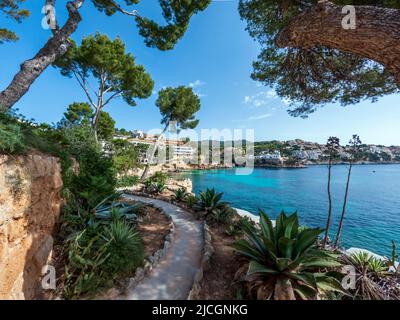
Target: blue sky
{"points": [[215, 57]]}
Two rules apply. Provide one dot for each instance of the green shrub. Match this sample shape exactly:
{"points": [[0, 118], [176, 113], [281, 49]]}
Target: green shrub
{"points": [[127, 181], [11, 138], [223, 215], [210, 202], [124, 249], [160, 177], [191, 201], [369, 271], [285, 263], [99, 254], [180, 194]]}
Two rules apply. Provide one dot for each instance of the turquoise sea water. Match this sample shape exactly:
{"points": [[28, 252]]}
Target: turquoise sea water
{"points": [[373, 211]]}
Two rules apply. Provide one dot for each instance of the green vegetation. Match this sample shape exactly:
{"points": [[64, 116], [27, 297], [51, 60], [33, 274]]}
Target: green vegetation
{"points": [[191, 201], [99, 254], [11, 9], [127, 181], [369, 272], [178, 107], [156, 184], [212, 209], [126, 156], [180, 194], [285, 262], [115, 72], [311, 75]]}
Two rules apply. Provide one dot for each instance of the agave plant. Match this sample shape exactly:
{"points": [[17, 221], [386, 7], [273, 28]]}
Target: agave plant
{"points": [[285, 262], [191, 200], [180, 194], [369, 271], [210, 202], [104, 210]]}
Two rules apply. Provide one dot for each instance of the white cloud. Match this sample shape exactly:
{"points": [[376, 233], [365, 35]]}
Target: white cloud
{"points": [[196, 83], [263, 116], [260, 99], [254, 118]]}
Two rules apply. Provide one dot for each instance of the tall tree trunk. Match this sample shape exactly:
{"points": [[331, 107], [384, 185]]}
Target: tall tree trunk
{"points": [[376, 35], [328, 222], [152, 153], [339, 232], [31, 69]]}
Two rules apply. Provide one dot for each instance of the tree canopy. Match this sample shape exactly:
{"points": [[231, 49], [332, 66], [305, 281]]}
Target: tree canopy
{"points": [[115, 71], [81, 114], [311, 76], [163, 35], [176, 13], [178, 105], [11, 9]]}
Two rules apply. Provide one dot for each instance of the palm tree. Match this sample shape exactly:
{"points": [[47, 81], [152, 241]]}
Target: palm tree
{"points": [[332, 150], [355, 144]]}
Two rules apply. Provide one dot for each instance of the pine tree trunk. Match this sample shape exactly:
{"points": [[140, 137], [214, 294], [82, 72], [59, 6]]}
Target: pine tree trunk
{"points": [[376, 35], [328, 222], [31, 69], [153, 152], [339, 232]]}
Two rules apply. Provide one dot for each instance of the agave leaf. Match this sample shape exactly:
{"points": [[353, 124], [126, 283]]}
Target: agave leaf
{"points": [[258, 268], [266, 226], [306, 278], [253, 236], [286, 247], [303, 291], [314, 261], [246, 249], [282, 263], [290, 227], [280, 226], [327, 283], [305, 240]]}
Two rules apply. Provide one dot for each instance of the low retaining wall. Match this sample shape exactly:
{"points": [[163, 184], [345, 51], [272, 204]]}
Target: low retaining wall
{"points": [[208, 251]]}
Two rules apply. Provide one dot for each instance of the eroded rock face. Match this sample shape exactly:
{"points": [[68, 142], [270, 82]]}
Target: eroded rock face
{"points": [[29, 209]]}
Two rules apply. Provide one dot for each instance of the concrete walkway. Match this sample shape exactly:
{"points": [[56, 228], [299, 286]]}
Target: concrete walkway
{"points": [[172, 278]]}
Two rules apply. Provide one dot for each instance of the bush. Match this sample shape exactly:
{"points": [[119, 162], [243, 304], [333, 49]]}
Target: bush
{"points": [[369, 273], [127, 181], [99, 254], [285, 263], [180, 194], [11, 138], [124, 249], [191, 201], [222, 216], [156, 183], [210, 202]]}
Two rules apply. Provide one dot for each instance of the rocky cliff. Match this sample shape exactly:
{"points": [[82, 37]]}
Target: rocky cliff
{"points": [[29, 209]]}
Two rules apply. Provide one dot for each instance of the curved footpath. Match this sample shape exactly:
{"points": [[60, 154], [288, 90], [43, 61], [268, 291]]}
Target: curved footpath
{"points": [[173, 277]]}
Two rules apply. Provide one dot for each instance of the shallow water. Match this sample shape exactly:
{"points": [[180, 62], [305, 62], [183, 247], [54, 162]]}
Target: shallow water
{"points": [[373, 211]]}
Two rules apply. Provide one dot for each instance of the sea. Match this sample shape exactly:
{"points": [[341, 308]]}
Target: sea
{"points": [[372, 217]]}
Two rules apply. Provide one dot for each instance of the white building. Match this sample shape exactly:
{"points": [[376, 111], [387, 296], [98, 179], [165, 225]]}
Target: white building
{"points": [[182, 151], [138, 134], [300, 154], [276, 155]]}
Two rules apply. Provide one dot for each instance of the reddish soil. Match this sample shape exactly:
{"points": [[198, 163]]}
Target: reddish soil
{"points": [[153, 229], [218, 280]]}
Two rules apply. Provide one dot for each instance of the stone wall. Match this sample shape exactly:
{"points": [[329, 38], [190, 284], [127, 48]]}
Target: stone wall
{"points": [[29, 209]]}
